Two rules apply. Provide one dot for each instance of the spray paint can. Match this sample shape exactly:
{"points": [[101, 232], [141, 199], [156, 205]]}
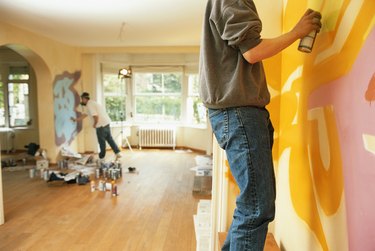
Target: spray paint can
{"points": [[114, 189], [32, 173], [46, 174], [97, 173], [92, 186], [100, 185], [306, 43]]}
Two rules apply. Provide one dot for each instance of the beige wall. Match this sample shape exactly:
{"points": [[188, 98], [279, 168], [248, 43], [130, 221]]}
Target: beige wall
{"points": [[48, 58]]}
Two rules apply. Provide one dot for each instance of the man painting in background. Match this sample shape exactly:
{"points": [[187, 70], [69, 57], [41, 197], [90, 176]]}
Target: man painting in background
{"points": [[234, 89], [101, 122]]}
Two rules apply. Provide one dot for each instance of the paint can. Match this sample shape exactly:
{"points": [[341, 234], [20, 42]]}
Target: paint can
{"points": [[92, 186], [32, 173], [306, 43], [101, 186], [46, 174], [114, 189], [97, 173]]}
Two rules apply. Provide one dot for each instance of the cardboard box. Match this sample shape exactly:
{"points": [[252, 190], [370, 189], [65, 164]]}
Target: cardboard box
{"points": [[41, 164]]}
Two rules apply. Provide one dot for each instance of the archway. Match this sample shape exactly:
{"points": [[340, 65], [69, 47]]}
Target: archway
{"points": [[43, 78]]}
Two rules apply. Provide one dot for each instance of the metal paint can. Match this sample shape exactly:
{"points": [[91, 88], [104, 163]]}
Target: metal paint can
{"points": [[92, 186], [32, 173], [46, 174], [101, 186]]}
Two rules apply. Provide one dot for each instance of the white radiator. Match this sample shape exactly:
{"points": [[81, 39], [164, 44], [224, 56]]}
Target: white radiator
{"points": [[157, 137]]}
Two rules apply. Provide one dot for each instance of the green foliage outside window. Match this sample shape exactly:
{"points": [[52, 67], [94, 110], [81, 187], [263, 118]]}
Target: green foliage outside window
{"points": [[116, 107], [158, 96], [115, 97]]}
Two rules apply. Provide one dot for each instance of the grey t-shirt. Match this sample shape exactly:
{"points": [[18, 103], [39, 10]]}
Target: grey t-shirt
{"points": [[230, 28]]}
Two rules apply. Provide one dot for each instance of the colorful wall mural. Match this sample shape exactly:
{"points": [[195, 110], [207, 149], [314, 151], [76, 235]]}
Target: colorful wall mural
{"points": [[324, 120], [325, 172], [66, 100]]}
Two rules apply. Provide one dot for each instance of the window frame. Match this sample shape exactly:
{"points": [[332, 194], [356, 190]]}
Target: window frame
{"points": [[180, 96], [2, 89], [193, 95], [6, 72], [132, 93], [124, 95], [27, 108]]}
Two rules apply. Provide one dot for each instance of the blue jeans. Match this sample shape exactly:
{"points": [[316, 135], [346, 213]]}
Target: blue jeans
{"points": [[104, 134], [246, 135]]}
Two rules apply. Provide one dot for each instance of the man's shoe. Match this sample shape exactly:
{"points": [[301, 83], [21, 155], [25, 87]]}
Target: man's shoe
{"points": [[118, 155]]}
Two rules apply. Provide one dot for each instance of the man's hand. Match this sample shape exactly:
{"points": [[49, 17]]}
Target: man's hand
{"points": [[269, 47], [94, 125], [309, 21]]}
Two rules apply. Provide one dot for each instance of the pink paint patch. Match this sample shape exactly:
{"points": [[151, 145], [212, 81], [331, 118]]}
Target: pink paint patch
{"points": [[355, 116]]}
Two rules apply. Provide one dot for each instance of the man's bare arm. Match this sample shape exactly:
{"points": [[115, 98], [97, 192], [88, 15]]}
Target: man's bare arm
{"points": [[96, 118], [78, 119], [269, 47]]}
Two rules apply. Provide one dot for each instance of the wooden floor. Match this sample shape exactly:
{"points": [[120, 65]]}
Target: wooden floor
{"points": [[154, 210]]}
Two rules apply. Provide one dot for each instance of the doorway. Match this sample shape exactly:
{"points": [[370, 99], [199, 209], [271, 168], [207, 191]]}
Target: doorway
{"points": [[22, 71], [18, 102]]}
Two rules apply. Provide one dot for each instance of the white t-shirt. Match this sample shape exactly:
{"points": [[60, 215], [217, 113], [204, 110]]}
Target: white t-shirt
{"points": [[95, 109]]}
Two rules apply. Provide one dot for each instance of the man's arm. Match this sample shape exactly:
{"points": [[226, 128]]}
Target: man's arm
{"points": [[78, 119], [96, 118], [269, 47]]}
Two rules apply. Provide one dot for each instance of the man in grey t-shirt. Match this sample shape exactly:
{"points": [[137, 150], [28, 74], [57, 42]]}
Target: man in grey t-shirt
{"points": [[234, 89]]}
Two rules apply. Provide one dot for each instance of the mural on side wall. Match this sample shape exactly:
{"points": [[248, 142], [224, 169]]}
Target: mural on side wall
{"points": [[66, 99], [327, 133]]}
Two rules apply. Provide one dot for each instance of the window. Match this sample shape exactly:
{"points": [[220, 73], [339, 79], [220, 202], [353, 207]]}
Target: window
{"points": [[115, 96], [196, 111], [2, 103], [18, 97], [158, 96]]}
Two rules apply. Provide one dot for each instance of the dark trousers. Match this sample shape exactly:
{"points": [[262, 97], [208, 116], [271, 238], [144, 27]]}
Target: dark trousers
{"points": [[104, 134]]}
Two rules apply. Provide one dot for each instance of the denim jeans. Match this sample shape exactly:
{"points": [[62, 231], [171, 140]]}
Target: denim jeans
{"points": [[246, 135], [104, 134]]}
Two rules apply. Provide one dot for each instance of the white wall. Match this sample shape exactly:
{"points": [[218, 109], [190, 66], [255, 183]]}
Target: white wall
{"points": [[189, 137]]}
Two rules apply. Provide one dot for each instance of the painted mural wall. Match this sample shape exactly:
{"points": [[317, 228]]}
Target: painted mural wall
{"points": [[326, 133], [324, 120], [66, 100]]}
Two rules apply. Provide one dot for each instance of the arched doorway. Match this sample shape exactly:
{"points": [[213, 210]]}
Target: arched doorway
{"points": [[18, 101], [34, 117]]}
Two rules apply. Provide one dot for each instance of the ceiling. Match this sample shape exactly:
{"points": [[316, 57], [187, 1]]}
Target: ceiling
{"points": [[112, 23]]}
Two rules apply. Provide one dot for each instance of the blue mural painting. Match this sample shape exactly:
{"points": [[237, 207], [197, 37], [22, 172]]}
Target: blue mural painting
{"points": [[66, 99]]}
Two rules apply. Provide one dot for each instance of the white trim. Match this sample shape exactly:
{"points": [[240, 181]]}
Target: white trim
{"points": [[219, 204], [1, 197]]}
